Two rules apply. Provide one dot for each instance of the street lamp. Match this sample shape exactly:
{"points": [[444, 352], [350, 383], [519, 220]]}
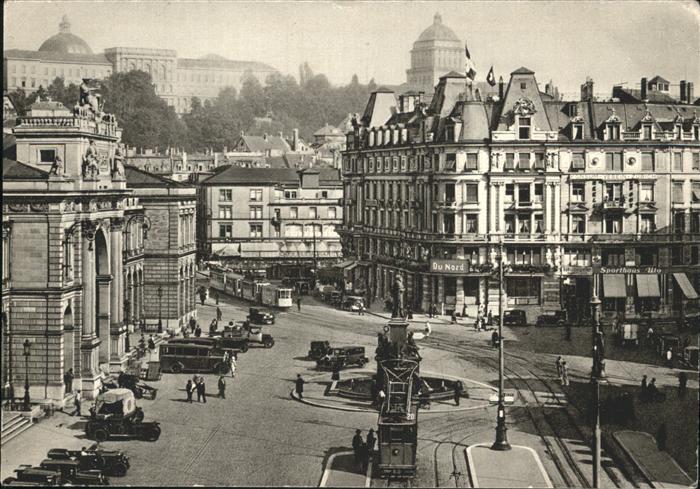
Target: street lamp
{"points": [[160, 309], [596, 370], [27, 345], [501, 442]]}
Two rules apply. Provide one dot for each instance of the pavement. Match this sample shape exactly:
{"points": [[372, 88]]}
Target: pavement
{"points": [[518, 467], [342, 471]]}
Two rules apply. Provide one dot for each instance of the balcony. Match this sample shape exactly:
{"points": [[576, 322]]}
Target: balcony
{"points": [[613, 204], [631, 135]]}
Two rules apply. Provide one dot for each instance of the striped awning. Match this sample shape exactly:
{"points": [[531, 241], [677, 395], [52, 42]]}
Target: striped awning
{"points": [[614, 286], [685, 285], [648, 285]]}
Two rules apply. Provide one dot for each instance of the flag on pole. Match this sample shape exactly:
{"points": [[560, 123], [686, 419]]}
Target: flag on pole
{"points": [[491, 78], [471, 67]]}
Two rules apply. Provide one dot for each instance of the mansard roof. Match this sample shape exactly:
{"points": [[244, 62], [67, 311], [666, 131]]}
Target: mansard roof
{"points": [[15, 170], [138, 178]]}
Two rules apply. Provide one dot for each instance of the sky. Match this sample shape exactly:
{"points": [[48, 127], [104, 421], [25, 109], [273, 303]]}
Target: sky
{"points": [[565, 41]]}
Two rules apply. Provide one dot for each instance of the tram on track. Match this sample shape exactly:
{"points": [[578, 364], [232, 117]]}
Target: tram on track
{"points": [[255, 290]]}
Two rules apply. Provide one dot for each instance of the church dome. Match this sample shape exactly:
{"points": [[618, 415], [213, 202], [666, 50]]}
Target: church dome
{"points": [[65, 42], [438, 32]]}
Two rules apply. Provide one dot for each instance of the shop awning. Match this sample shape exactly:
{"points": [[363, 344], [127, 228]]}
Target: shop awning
{"points": [[346, 265], [614, 286], [648, 285], [233, 249], [685, 285]]}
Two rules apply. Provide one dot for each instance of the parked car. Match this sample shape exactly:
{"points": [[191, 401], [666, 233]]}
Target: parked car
{"points": [[550, 318], [255, 335], [70, 471], [319, 349], [515, 317], [353, 303], [114, 414], [135, 385], [260, 316], [342, 357], [111, 462], [28, 475], [335, 298], [690, 357]]}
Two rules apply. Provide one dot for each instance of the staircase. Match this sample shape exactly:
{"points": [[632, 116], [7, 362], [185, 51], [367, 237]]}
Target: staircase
{"points": [[13, 423]]}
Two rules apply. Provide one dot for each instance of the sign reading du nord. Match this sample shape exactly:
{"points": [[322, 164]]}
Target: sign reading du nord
{"points": [[458, 267]]}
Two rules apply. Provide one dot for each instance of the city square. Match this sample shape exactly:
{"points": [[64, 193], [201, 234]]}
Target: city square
{"points": [[217, 273]]}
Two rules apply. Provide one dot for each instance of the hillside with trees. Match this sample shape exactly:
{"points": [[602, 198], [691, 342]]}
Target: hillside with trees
{"points": [[148, 122]]}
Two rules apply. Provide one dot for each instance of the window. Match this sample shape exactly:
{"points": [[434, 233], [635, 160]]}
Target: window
{"points": [[470, 223], [324, 194], [696, 161], [524, 287], [677, 161], [510, 224], [450, 162], [256, 195], [695, 222], [578, 224], [539, 224], [255, 230], [523, 161], [472, 193], [646, 257], [67, 259], [472, 162], [679, 222], [646, 193], [577, 132], [524, 225], [578, 191], [539, 161], [256, 212], [646, 131], [613, 225], [695, 193], [47, 155], [523, 128], [647, 161], [510, 161], [613, 258], [225, 230], [449, 193], [613, 161], [524, 193], [331, 213], [225, 212], [678, 193], [613, 131], [613, 191], [578, 161], [312, 213], [539, 192], [523, 85], [579, 257], [290, 194], [676, 255], [510, 192], [648, 224], [225, 195]]}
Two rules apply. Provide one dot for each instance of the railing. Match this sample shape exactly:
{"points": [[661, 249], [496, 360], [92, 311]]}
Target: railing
{"points": [[631, 135], [90, 124]]}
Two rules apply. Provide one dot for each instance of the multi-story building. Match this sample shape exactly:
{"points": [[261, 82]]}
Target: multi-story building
{"points": [[79, 267], [281, 220], [176, 80], [568, 188]]}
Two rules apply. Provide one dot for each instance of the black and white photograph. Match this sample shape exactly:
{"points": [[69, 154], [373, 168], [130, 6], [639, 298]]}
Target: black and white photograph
{"points": [[335, 243]]}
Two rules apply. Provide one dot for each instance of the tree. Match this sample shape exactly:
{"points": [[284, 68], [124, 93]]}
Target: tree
{"points": [[21, 100], [67, 95]]}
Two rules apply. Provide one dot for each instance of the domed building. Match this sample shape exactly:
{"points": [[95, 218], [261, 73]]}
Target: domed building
{"points": [[65, 42], [437, 51]]}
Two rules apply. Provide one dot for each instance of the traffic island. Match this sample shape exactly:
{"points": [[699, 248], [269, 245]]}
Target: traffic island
{"points": [[518, 467], [343, 471]]}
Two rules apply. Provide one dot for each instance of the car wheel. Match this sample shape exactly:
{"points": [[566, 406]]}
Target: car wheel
{"points": [[138, 393], [100, 435], [153, 434], [176, 368], [269, 343], [138, 416], [119, 469], [244, 347]]}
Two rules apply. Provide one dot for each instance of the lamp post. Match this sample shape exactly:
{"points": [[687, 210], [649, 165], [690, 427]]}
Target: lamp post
{"points": [[501, 442], [596, 370], [27, 345], [160, 309]]}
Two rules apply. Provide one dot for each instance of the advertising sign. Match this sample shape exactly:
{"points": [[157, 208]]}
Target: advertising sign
{"points": [[456, 267]]}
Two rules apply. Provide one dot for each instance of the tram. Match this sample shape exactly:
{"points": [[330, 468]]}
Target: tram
{"points": [[397, 375], [254, 290]]}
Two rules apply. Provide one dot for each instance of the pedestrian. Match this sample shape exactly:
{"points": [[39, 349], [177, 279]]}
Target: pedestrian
{"points": [[442, 309], [371, 440], [361, 310], [454, 317], [193, 324], [409, 312], [564, 373], [216, 298], [428, 329], [222, 387], [661, 436], [197, 331], [213, 327], [430, 311], [76, 400], [682, 384], [202, 295], [232, 366], [669, 358], [219, 314], [464, 310], [357, 445], [188, 390], [151, 344], [364, 456], [643, 394], [336, 373], [489, 319], [299, 386], [458, 392], [68, 380], [494, 339], [650, 337], [558, 363], [567, 331], [381, 395], [299, 303], [653, 393], [202, 390]]}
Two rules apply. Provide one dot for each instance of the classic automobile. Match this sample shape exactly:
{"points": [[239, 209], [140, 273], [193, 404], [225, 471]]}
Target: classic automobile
{"points": [[115, 414], [260, 316], [70, 471], [342, 357], [353, 303], [110, 462], [690, 357], [255, 335], [135, 385], [550, 318], [319, 349], [228, 339], [515, 317], [334, 298], [34, 476]]}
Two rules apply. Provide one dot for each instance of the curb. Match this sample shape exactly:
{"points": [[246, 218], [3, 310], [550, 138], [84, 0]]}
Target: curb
{"points": [[634, 461], [472, 470], [326, 471]]}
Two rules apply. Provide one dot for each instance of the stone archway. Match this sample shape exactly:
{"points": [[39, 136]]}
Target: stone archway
{"points": [[69, 340], [103, 283]]}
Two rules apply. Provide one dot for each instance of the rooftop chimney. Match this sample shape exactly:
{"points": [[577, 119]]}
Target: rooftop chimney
{"points": [[587, 90], [683, 92], [295, 140], [689, 92], [500, 87], [643, 95]]}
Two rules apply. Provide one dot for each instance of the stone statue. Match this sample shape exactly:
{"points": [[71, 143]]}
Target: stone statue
{"points": [[57, 166], [397, 297], [118, 162], [91, 165], [88, 98], [548, 257]]}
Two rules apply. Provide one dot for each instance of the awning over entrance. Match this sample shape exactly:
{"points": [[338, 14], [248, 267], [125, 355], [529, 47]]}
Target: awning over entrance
{"points": [[614, 286], [346, 265], [226, 249], [685, 285], [648, 285]]}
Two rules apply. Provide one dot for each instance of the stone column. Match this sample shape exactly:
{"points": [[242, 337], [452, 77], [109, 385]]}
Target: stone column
{"points": [[557, 203], [459, 295], [117, 328], [425, 300], [440, 293], [104, 315], [89, 374]]}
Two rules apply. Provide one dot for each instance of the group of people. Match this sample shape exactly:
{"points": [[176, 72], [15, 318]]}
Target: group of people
{"points": [[196, 383], [363, 449]]}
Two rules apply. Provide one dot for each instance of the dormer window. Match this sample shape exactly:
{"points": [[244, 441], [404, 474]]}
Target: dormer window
{"points": [[577, 131], [646, 131], [387, 136], [371, 138], [524, 127], [696, 132], [678, 132], [612, 131]]}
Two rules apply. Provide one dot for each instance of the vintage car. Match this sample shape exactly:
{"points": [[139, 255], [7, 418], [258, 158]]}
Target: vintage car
{"points": [[334, 298], [690, 357], [260, 316], [228, 339], [255, 335], [515, 317], [346, 356], [70, 471], [550, 318], [28, 475], [353, 303], [135, 385], [247, 334], [115, 414], [110, 462], [319, 349]]}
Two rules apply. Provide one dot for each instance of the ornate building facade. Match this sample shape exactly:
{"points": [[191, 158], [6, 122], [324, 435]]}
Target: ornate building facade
{"points": [[176, 80], [568, 188]]}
